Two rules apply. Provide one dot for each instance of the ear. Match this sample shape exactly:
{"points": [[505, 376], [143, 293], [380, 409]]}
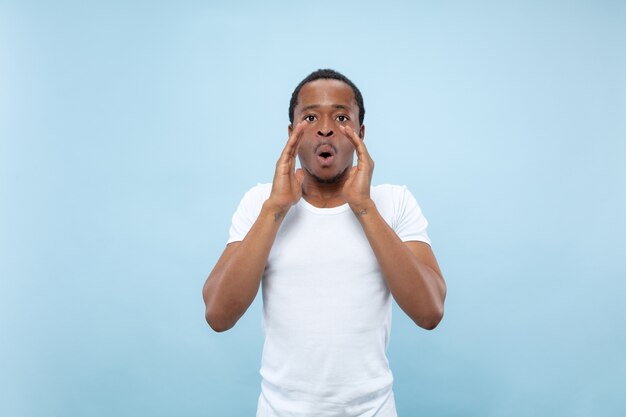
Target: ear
{"points": [[362, 132], [289, 129]]}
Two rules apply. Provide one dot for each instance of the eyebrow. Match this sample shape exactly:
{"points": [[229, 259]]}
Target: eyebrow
{"points": [[317, 106]]}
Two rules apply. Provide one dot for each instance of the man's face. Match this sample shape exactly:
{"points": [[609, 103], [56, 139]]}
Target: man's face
{"points": [[325, 104]]}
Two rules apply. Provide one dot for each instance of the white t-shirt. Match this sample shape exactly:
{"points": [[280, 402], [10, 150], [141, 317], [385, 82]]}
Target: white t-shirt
{"points": [[326, 307]]}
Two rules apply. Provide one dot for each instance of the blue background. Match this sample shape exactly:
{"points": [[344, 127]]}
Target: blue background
{"points": [[129, 132]]}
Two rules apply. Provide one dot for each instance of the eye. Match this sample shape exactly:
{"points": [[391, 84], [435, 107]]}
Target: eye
{"points": [[309, 118], [341, 118]]}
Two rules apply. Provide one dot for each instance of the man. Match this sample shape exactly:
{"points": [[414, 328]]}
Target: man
{"points": [[330, 250]]}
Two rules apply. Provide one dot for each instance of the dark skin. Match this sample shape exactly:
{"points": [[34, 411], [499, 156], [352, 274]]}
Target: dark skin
{"points": [[325, 136]]}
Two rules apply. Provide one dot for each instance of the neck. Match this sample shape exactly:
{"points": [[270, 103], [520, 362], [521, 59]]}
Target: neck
{"points": [[322, 193]]}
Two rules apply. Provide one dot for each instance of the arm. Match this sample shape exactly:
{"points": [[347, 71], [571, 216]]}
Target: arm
{"points": [[410, 269], [234, 281]]}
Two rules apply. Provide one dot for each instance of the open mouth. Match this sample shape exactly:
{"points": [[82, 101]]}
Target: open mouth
{"points": [[325, 150], [325, 154]]}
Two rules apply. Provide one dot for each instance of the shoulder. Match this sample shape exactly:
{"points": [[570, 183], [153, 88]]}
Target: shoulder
{"points": [[247, 211], [388, 199], [254, 198], [398, 206], [389, 194], [259, 192], [388, 189]]}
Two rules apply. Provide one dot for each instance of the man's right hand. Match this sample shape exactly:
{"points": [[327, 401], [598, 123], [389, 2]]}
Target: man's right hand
{"points": [[287, 184], [234, 282]]}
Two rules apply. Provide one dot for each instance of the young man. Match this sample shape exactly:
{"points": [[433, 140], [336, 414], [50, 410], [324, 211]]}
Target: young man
{"points": [[330, 250]]}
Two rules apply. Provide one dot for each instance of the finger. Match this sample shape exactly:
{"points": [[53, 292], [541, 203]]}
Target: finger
{"points": [[297, 134], [291, 148], [359, 145]]}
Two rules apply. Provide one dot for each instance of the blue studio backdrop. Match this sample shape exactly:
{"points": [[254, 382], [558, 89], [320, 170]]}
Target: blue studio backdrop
{"points": [[130, 130]]}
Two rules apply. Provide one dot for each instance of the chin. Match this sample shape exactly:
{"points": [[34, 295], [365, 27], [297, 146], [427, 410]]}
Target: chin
{"points": [[327, 179]]}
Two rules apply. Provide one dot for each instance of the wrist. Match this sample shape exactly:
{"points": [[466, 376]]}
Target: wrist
{"points": [[276, 211], [362, 207]]}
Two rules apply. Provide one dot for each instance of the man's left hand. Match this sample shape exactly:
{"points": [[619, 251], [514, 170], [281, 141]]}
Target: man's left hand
{"points": [[356, 189]]}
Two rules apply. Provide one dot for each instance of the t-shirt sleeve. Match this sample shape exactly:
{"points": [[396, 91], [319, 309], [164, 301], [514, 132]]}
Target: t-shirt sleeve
{"points": [[411, 224], [247, 213]]}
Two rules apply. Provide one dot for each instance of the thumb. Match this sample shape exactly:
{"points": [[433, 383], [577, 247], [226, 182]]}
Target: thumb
{"points": [[299, 175]]}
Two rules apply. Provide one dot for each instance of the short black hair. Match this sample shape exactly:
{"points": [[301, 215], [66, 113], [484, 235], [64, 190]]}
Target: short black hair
{"points": [[327, 74]]}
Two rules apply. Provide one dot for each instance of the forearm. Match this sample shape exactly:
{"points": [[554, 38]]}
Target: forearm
{"points": [[417, 288], [234, 283]]}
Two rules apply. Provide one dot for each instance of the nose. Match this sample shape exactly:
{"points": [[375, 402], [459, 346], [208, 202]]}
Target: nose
{"points": [[325, 132], [325, 128]]}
